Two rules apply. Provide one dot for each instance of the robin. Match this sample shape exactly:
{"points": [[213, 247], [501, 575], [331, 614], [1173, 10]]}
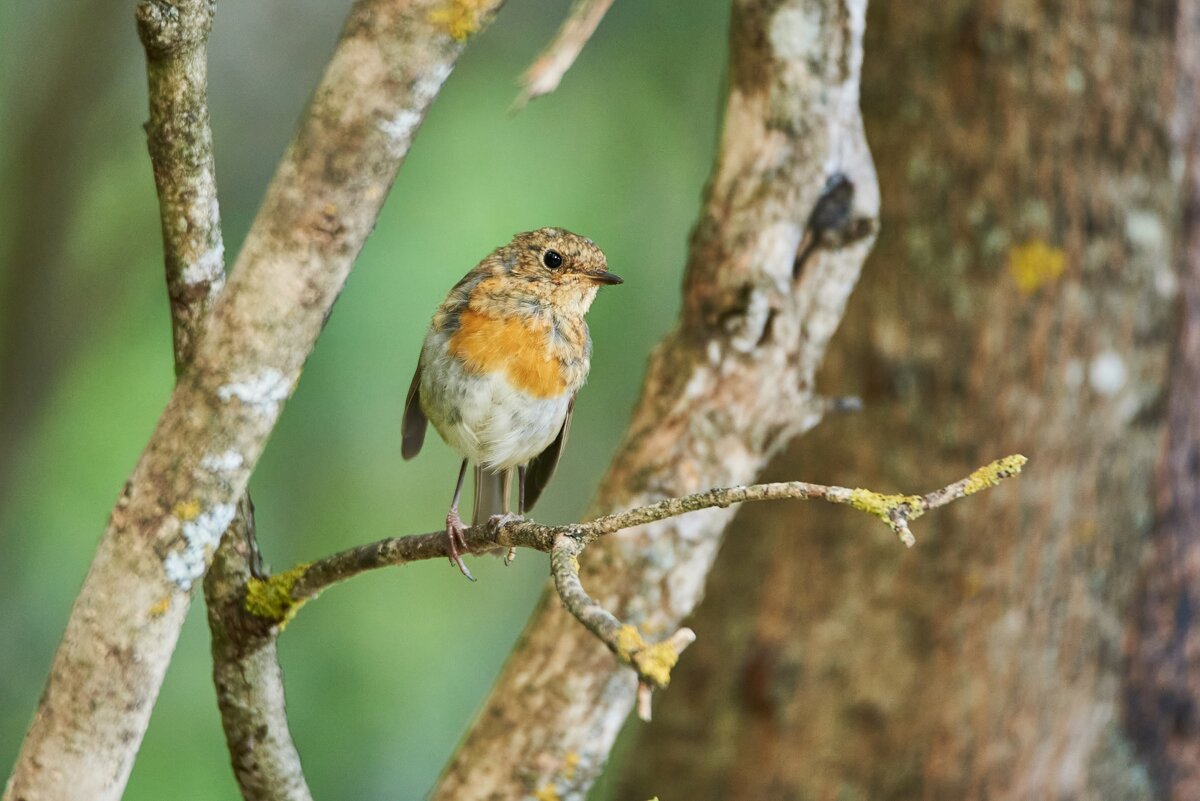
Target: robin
{"points": [[504, 356]]}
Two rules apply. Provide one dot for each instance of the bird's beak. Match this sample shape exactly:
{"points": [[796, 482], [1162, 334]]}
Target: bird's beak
{"points": [[606, 278]]}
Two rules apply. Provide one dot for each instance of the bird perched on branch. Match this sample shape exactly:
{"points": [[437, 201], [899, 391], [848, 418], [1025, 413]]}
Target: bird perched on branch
{"points": [[504, 356]]}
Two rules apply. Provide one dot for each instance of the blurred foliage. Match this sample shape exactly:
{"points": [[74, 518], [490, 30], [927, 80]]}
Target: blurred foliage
{"points": [[383, 674]]}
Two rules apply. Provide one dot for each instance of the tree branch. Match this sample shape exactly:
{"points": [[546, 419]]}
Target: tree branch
{"points": [[390, 63], [547, 71], [174, 34], [247, 677], [276, 600], [249, 684]]}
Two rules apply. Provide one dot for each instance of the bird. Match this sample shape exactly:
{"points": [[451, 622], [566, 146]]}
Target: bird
{"points": [[502, 361]]}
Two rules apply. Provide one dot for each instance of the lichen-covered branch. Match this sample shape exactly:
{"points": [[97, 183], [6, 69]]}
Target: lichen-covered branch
{"points": [[274, 601], [547, 71], [391, 61], [247, 677], [651, 663]]}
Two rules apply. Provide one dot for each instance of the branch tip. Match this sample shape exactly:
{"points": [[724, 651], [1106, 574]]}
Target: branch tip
{"points": [[546, 72], [992, 474]]}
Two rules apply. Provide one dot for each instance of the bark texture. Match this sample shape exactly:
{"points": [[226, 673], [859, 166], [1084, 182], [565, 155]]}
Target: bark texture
{"points": [[1162, 703], [390, 63], [726, 389], [1021, 299], [247, 676]]}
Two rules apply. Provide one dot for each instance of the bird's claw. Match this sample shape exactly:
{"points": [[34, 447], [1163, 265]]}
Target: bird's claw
{"points": [[455, 533], [495, 521]]}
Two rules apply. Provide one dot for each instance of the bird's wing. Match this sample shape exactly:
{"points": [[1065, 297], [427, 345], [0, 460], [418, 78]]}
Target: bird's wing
{"points": [[541, 468], [413, 430]]}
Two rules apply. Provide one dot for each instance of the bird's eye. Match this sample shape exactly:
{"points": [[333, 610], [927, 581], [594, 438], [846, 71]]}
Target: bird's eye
{"points": [[552, 259]]}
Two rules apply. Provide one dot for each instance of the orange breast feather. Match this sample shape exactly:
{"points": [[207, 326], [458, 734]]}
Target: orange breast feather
{"points": [[519, 347]]}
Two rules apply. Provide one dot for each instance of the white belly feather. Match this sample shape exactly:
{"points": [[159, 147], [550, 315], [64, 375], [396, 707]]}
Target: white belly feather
{"points": [[482, 416]]}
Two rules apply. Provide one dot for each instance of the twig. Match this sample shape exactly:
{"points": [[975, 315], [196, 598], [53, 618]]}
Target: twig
{"points": [[276, 600], [547, 71], [323, 202]]}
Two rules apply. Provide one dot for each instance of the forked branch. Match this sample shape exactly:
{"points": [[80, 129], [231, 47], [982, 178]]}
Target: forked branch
{"points": [[278, 598]]}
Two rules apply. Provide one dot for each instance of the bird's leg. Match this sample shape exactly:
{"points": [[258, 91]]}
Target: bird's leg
{"points": [[521, 490], [454, 526], [512, 552]]}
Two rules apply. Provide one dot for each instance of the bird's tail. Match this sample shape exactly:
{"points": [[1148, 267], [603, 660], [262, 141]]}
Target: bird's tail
{"points": [[492, 491]]}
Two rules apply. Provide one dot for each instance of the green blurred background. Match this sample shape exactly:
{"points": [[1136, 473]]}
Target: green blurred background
{"points": [[384, 673]]}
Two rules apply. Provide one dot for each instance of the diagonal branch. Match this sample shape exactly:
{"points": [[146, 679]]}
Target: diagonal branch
{"points": [[547, 71], [391, 61]]}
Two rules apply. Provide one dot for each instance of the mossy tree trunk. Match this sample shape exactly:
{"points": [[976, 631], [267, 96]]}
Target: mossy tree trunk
{"points": [[1021, 298]]}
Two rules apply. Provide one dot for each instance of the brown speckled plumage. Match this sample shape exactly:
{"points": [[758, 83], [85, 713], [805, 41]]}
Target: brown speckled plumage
{"points": [[504, 356]]}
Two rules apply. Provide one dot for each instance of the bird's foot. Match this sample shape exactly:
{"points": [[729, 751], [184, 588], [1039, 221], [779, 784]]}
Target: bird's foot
{"points": [[455, 534], [495, 521]]}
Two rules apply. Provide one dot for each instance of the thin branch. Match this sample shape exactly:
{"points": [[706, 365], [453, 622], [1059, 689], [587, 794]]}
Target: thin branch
{"points": [[547, 71], [247, 677], [391, 61], [276, 600], [652, 663], [174, 34]]}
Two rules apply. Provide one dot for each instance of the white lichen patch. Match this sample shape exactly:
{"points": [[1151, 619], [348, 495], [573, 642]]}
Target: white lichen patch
{"points": [[1107, 373], [225, 462], [400, 127], [795, 33], [262, 392], [209, 267], [200, 535], [1145, 231], [399, 130]]}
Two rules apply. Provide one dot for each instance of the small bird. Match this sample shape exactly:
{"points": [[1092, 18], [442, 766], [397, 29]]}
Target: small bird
{"points": [[504, 356]]}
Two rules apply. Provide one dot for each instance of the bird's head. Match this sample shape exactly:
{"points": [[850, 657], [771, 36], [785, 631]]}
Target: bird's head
{"points": [[553, 265]]}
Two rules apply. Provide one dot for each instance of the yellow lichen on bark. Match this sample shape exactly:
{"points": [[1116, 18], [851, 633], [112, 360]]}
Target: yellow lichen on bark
{"points": [[187, 510], [548, 792], [629, 641], [271, 598], [461, 18], [655, 663], [880, 505], [1035, 264], [992, 474], [570, 763]]}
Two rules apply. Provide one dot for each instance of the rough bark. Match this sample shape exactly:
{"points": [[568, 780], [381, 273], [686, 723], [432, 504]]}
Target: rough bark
{"points": [[1162, 699], [390, 63], [1021, 299], [174, 34], [247, 676], [726, 389]]}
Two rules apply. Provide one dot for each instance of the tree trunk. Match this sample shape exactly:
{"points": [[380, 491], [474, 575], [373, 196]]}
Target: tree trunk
{"points": [[1021, 299]]}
